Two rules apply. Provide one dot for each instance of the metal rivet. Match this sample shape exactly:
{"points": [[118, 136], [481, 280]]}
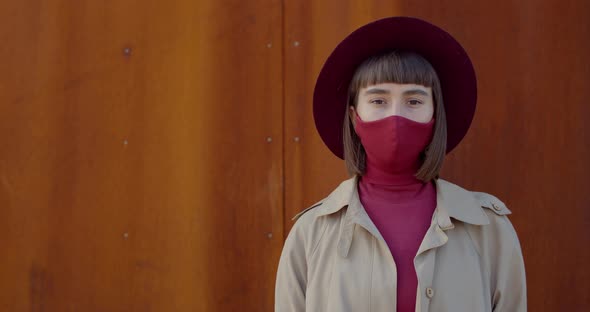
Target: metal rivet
{"points": [[268, 139], [127, 51], [125, 142], [269, 235], [296, 43], [125, 235], [269, 45], [296, 139], [496, 207]]}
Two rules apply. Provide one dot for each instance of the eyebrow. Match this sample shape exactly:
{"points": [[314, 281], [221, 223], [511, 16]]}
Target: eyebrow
{"points": [[384, 91]]}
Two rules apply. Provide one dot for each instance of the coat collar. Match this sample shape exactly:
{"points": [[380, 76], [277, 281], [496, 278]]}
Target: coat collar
{"points": [[452, 201]]}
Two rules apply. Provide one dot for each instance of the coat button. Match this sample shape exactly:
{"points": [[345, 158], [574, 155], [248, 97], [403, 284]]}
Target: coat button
{"points": [[496, 207], [429, 292]]}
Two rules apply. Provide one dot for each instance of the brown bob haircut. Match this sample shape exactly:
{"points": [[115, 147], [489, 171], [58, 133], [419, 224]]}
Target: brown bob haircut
{"points": [[402, 67]]}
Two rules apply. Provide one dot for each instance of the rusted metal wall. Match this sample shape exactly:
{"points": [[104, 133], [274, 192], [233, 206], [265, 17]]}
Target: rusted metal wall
{"points": [[153, 153]]}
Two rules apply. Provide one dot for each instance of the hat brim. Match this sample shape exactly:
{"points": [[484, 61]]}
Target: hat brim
{"points": [[449, 59]]}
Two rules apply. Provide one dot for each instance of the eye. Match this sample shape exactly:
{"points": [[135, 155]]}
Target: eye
{"points": [[377, 101], [414, 102]]}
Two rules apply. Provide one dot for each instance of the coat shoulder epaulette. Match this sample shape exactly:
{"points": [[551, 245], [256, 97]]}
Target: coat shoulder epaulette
{"points": [[307, 209], [492, 202]]}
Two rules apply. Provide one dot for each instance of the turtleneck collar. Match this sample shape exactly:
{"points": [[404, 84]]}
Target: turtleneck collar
{"points": [[404, 176], [392, 187]]}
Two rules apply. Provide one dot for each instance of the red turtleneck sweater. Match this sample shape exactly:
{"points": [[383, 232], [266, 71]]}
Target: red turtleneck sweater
{"points": [[401, 207]]}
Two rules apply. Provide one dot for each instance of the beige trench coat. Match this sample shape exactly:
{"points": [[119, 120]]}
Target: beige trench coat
{"points": [[335, 259]]}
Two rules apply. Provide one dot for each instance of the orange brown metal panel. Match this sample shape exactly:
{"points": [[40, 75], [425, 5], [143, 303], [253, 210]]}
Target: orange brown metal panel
{"points": [[135, 171], [121, 184]]}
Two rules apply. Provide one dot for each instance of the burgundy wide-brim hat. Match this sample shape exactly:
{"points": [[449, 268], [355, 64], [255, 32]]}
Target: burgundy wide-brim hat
{"points": [[449, 59]]}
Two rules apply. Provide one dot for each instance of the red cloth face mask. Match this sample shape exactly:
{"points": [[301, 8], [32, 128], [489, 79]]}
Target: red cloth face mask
{"points": [[393, 144]]}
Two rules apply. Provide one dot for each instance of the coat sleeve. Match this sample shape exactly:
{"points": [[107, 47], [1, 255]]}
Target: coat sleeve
{"points": [[291, 281], [510, 293]]}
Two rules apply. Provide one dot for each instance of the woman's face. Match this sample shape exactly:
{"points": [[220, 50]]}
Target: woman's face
{"points": [[382, 100]]}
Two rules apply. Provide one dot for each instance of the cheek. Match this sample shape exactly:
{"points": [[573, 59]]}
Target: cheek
{"points": [[363, 111], [423, 115], [428, 113]]}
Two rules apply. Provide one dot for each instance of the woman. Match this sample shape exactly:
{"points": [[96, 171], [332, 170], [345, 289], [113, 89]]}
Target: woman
{"points": [[396, 237]]}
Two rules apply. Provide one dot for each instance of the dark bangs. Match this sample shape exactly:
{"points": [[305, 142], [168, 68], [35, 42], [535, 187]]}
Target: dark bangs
{"points": [[393, 67]]}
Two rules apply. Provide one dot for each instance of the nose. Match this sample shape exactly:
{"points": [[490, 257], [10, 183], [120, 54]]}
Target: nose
{"points": [[395, 108]]}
